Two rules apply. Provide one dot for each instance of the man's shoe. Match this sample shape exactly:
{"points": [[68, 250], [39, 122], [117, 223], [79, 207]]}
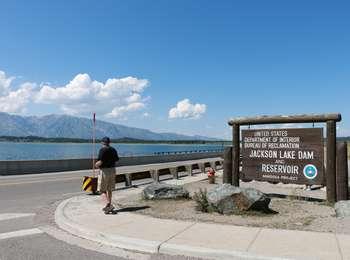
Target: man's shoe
{"points": [[109, 210], [106, 208]]}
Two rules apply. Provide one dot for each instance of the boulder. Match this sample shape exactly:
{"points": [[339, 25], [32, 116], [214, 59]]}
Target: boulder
{"points": [[157, 191], [227, 199], [220, 198], [342, 208]]}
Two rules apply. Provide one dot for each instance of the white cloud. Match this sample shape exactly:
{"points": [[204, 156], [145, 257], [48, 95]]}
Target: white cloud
{"points": [[5, 83], [16, 101], [114, 98], [122, 110], [184, 109]]}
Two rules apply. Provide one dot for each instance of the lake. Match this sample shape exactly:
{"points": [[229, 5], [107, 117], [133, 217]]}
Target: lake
{"points": [[43, 151]]}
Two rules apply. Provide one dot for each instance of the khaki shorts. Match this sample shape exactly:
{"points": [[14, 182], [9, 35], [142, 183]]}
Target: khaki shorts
{"points": [[106, 180]]}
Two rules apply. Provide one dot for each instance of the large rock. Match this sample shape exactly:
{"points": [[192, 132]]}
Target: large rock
{"points": [[342, 208], [227, 199], [158, 191]]}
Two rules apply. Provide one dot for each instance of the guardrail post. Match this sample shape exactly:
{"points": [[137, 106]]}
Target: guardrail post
{"points": [[189, 170], [213, 165], [342, 171], [174, 172], [155, 175], [202, 167], [128, 180], [227, 175]]}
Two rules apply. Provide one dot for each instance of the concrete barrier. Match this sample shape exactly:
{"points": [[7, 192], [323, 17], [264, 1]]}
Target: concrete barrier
{"points": [[44, 166]]}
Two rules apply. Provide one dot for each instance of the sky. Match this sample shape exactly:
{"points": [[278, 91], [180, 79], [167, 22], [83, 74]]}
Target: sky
{"points": [[180, 66]]}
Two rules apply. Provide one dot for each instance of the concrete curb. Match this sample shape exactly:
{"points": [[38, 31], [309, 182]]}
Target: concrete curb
{"points": [[146, 246], [174, 249], [112, 240]]}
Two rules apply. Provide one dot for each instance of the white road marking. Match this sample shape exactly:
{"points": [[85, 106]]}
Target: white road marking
{"points": [[40, 181], [20, 233], [7, 216]]}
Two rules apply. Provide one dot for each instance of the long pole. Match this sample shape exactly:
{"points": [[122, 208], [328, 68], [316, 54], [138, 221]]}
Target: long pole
{"points": [[93, 145]]}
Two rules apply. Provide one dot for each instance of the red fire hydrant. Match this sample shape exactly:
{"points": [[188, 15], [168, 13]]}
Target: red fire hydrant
{"points": [[211, 176]]}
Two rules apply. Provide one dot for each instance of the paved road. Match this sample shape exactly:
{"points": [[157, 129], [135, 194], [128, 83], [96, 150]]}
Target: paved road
{"points": [[27, 228]]}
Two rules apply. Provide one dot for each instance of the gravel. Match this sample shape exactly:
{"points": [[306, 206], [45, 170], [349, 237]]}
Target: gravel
{"points": [[294, 213]]}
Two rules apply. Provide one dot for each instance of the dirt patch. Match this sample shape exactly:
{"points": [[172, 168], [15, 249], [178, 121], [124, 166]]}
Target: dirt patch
{"points": [[294, 214]]}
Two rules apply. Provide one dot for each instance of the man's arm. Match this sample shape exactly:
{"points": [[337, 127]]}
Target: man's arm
{"points": [[116, 157], [98, 164], [99, 159]]}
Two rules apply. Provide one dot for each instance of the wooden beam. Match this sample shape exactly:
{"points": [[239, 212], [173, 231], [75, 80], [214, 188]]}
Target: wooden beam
{"points": [[227, 175], [331, 162], [342, 187], [235, 155], [280, 119]]}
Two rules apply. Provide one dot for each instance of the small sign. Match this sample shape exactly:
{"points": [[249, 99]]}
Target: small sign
{"points": [[283, 155]]}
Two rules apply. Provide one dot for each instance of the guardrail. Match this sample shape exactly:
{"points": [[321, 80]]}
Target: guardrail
{"points": [[192, 151], [45, 166], [129, 173]]}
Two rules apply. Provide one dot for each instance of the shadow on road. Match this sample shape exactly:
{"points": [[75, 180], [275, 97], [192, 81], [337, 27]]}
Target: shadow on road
{"points": [[132, 209]]}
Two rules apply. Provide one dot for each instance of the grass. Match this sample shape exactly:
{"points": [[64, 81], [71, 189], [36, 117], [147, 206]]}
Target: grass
{"points": [[201, 200]]}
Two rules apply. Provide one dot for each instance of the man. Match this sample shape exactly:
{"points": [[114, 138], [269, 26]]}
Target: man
{"points": [[107, 157]]}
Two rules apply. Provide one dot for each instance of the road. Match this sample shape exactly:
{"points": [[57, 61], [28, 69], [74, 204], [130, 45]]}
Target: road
{"points": [[27, 228]]}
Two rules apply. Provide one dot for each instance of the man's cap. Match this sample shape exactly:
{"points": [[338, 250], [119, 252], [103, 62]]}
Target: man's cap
{"points": [[105, 140]]}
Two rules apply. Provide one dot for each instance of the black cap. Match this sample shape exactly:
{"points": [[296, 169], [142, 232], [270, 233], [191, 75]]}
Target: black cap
{"points": [[105, 140]]}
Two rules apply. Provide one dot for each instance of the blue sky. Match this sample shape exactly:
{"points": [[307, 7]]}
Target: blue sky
{"points": [[206, 61]]}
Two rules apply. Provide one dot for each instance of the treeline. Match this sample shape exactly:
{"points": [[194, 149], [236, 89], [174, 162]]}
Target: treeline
{"points": [[38, 139]]}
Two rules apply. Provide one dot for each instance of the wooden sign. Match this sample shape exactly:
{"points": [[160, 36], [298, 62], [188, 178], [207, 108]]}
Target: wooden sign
{"points": [[283, 155]]}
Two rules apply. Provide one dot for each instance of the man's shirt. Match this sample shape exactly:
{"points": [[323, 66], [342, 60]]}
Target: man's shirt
{"points": [[109, 156]]}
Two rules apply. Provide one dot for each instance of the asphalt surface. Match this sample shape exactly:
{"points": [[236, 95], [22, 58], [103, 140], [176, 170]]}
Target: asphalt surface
{"points": [[27, 205]]}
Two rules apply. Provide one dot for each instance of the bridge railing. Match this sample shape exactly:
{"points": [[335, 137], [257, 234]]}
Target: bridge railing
{"points": [[44, 166]]}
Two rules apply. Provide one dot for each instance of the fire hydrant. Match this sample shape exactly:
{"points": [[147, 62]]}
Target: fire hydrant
{"points": [[211, 176]]}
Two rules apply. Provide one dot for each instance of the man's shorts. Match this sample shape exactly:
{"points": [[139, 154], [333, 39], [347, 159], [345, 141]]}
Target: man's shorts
{"points": [[107, 179]]}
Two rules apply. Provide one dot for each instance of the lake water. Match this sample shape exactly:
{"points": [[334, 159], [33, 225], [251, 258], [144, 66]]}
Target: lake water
{"points": [[42, 151]]}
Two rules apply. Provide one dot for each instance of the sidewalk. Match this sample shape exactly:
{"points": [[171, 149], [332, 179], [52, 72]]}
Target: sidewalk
{"points": [[82, 216]]}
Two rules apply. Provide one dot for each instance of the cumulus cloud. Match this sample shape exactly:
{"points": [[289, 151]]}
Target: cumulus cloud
{"points": [[184, 109], [11, 100], [122, 110], [5, 83], [16, 101], [114, 98]]}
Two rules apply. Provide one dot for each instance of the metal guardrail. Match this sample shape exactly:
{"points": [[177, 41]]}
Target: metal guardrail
{"points": [[189, 152], [44, 166]]}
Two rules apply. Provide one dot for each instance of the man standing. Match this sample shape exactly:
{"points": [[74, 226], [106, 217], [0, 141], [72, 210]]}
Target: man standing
{"points": [[107, 157]]}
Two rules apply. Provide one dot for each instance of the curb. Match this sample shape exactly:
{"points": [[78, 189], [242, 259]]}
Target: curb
{"points": [[174, 249], [147, 246], [112, 240]]}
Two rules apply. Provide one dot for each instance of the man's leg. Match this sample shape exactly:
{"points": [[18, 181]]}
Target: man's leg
{"points": [[109, 197]]}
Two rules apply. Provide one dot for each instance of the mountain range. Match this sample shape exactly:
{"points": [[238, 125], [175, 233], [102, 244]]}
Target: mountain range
{"points": [[55, 126]]}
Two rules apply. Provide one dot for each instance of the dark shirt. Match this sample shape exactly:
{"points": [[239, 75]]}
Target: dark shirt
{"points": [[109, 156]]}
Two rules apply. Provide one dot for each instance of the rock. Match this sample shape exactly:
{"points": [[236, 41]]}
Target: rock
{"points": [[227, 199], [254, 199], [157, 191], [220, 198], [342, 208]]}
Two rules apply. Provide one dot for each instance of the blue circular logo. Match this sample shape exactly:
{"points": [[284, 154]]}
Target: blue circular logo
{"points": [[310, 171]]}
